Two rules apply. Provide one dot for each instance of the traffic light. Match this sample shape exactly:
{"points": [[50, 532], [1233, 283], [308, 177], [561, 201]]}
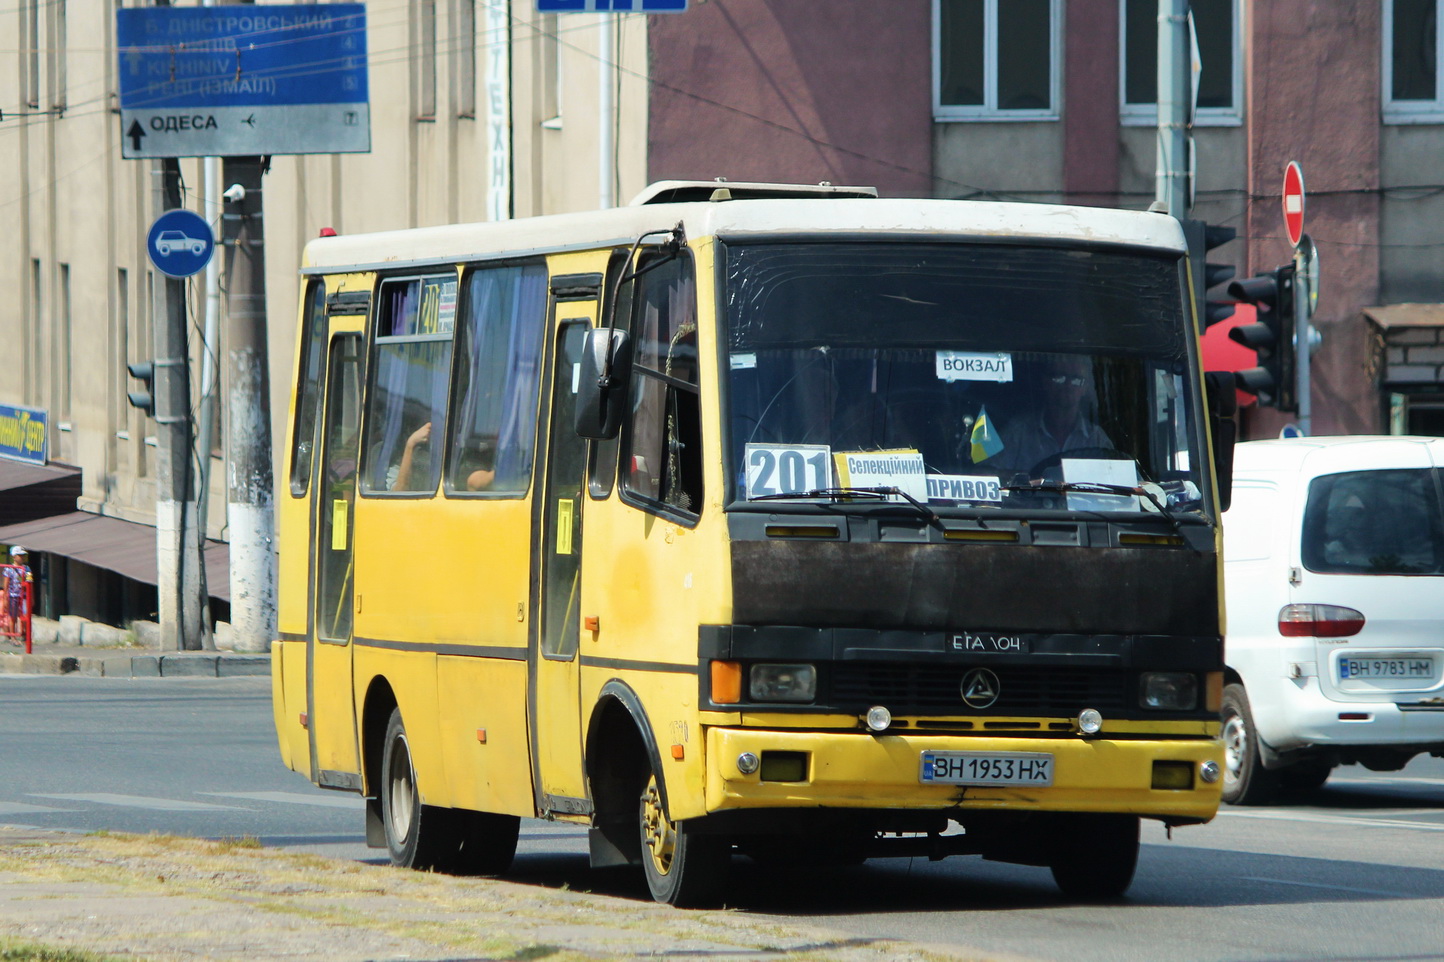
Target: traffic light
{"points": [[1203, 238], [1271, 336], [144, 372]]}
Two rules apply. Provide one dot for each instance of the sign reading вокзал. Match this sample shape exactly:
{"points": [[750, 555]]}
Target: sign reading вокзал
{"points": [[243, 79]]}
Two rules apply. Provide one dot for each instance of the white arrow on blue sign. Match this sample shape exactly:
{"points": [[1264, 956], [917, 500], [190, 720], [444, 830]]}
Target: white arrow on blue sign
{"points": [[180, 243], [611, 6]]}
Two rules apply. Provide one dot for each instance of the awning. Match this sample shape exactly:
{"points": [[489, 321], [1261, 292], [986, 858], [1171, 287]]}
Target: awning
{"points": [[1406, 315], [1222, 353], [29, 491], [124, 547]]}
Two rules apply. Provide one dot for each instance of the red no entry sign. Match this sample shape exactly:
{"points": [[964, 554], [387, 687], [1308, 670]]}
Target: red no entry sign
{"points": [[1294, 201]]}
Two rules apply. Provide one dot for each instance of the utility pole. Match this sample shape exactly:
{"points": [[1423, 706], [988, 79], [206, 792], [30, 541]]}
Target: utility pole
{"points": [[1171, 193], [177, 547], [250, 498]]}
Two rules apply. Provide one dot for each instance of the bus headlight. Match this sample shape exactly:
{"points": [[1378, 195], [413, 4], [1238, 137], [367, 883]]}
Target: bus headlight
{"points": [[1168, 690], [788, 683]]}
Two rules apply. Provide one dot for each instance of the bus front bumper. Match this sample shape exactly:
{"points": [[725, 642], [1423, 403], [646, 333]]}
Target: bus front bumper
{"points": [[865, 771]]}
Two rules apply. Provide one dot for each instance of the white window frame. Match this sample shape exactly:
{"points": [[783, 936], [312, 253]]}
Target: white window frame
{"points": [[1146, 115], [1411, 111], [988, 110]]}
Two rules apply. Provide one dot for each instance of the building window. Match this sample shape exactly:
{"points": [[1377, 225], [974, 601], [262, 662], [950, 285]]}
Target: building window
{"points": [[30, 12], [1220, 79], [996, 59], [465, 48], [1412, 89], [425, 62]]}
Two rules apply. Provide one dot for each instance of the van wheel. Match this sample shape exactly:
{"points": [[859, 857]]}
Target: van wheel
{"points": [[683, 868], [1245, 780], [417, 836], [1094, 856]]}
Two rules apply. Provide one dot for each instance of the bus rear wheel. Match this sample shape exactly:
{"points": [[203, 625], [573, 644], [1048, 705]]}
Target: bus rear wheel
{"points": [[683, 868], [1095, 856], [429, 838]]}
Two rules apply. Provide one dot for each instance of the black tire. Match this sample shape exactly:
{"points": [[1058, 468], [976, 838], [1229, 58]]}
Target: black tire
{"points": [[1245, 780], [683, 868], [429, 838], [1094, 856], [1304, 777], [487, 842]]}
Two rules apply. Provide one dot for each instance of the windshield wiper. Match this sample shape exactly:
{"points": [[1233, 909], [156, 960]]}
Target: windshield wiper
{"points": [[876, 494], [1102, 487]]}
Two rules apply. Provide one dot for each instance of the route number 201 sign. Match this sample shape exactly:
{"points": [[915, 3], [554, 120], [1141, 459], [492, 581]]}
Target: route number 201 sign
{"points": [[778, 469]]}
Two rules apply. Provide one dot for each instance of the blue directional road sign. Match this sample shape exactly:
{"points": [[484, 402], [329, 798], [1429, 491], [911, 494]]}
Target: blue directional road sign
{"points": [[180, 243], [610, 6], [242, 79]]}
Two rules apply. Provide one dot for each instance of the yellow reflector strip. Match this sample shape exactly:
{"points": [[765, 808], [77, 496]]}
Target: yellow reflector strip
{"points": [[1167, 540], [1213, 691], [969, 534]]}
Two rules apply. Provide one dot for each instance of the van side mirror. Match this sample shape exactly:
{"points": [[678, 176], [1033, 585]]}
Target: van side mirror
{"points": [[606, 372], [1222, 398]]}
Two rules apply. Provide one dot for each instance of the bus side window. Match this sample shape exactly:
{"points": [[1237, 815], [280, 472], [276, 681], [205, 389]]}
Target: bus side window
{"points": [[406, 411], [494, 399], [308, 388], [662, 451]]}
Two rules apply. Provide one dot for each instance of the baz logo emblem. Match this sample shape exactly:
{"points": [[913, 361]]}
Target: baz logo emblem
{"points": [[980, 688]]}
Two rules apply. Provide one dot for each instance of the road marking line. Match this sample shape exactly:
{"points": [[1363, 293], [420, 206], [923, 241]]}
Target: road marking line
{"points": [[141, 801], [1333, 888], [1386, 782], [1338, 820], [295, 798], [20, 808]]}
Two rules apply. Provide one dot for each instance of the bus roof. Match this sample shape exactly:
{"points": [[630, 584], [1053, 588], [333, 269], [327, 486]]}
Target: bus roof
{"points": [[852, 217]]}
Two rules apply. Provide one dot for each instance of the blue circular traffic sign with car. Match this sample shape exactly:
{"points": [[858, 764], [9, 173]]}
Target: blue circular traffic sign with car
{"points": [[180, 243]]}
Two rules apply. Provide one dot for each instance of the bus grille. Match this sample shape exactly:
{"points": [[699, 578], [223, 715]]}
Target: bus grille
{"points": [[910, 689]]}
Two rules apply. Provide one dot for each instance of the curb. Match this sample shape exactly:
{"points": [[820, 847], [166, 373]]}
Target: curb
{"points": [[199, 664]]}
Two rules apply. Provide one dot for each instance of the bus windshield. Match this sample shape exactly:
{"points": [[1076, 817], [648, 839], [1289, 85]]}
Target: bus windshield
{"points": [[964, 375]]}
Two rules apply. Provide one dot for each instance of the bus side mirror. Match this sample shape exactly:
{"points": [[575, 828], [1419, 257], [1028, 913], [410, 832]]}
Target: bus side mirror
{"points": [[1222, 397], [606, 370]]}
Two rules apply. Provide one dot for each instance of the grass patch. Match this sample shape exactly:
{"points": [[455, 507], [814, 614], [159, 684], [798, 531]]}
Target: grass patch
{"points": [[35, 952]]}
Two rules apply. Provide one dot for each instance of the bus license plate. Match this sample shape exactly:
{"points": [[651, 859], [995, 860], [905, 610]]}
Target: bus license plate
{"points": [[1386, 668], [987, 768]]}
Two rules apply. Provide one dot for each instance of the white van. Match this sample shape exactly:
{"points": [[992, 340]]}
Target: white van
{"points": [[1334, 574]]}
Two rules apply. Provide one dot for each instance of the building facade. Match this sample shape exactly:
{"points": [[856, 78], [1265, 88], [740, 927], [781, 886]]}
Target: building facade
{"points": [[485, 108]]}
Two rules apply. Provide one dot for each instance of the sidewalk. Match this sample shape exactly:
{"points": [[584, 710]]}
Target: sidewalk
{"points": [[56, 652], [167, 899]]}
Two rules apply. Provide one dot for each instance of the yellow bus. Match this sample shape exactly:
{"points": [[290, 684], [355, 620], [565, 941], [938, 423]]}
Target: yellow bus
{"points": [[756, 520]]}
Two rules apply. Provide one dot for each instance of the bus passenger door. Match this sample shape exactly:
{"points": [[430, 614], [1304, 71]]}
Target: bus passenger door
{"points": [[555, 694], [335, 761]]}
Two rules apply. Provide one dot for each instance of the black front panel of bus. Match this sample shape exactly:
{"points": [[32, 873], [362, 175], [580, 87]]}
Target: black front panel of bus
{"points": [[921, 673], [975, 587]]}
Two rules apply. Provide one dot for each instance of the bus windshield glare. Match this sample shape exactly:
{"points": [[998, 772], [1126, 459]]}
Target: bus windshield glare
{"points": [[963, 375]]}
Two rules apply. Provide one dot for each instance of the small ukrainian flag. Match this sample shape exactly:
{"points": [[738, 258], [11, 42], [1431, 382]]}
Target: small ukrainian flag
{"points": [[985, 441]]}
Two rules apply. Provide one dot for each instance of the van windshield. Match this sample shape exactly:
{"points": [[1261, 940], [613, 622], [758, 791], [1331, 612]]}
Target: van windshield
{"points": [[963, 375], [1374, 523]]}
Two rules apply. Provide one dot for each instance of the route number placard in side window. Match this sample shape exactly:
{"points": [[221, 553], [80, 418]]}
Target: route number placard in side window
{"points": [[774, 469]]}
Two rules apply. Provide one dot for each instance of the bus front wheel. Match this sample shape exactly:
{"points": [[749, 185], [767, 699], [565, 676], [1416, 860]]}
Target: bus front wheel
{"points": [[683, 868], [1095, 856]]}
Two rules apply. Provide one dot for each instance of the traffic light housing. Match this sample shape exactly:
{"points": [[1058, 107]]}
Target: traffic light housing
{"points": [[143, 398], [1274, 381], [1202, 238]]}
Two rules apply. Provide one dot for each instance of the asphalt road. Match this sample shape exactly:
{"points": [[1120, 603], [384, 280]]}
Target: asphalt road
{"points": [[1354, 871]]}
